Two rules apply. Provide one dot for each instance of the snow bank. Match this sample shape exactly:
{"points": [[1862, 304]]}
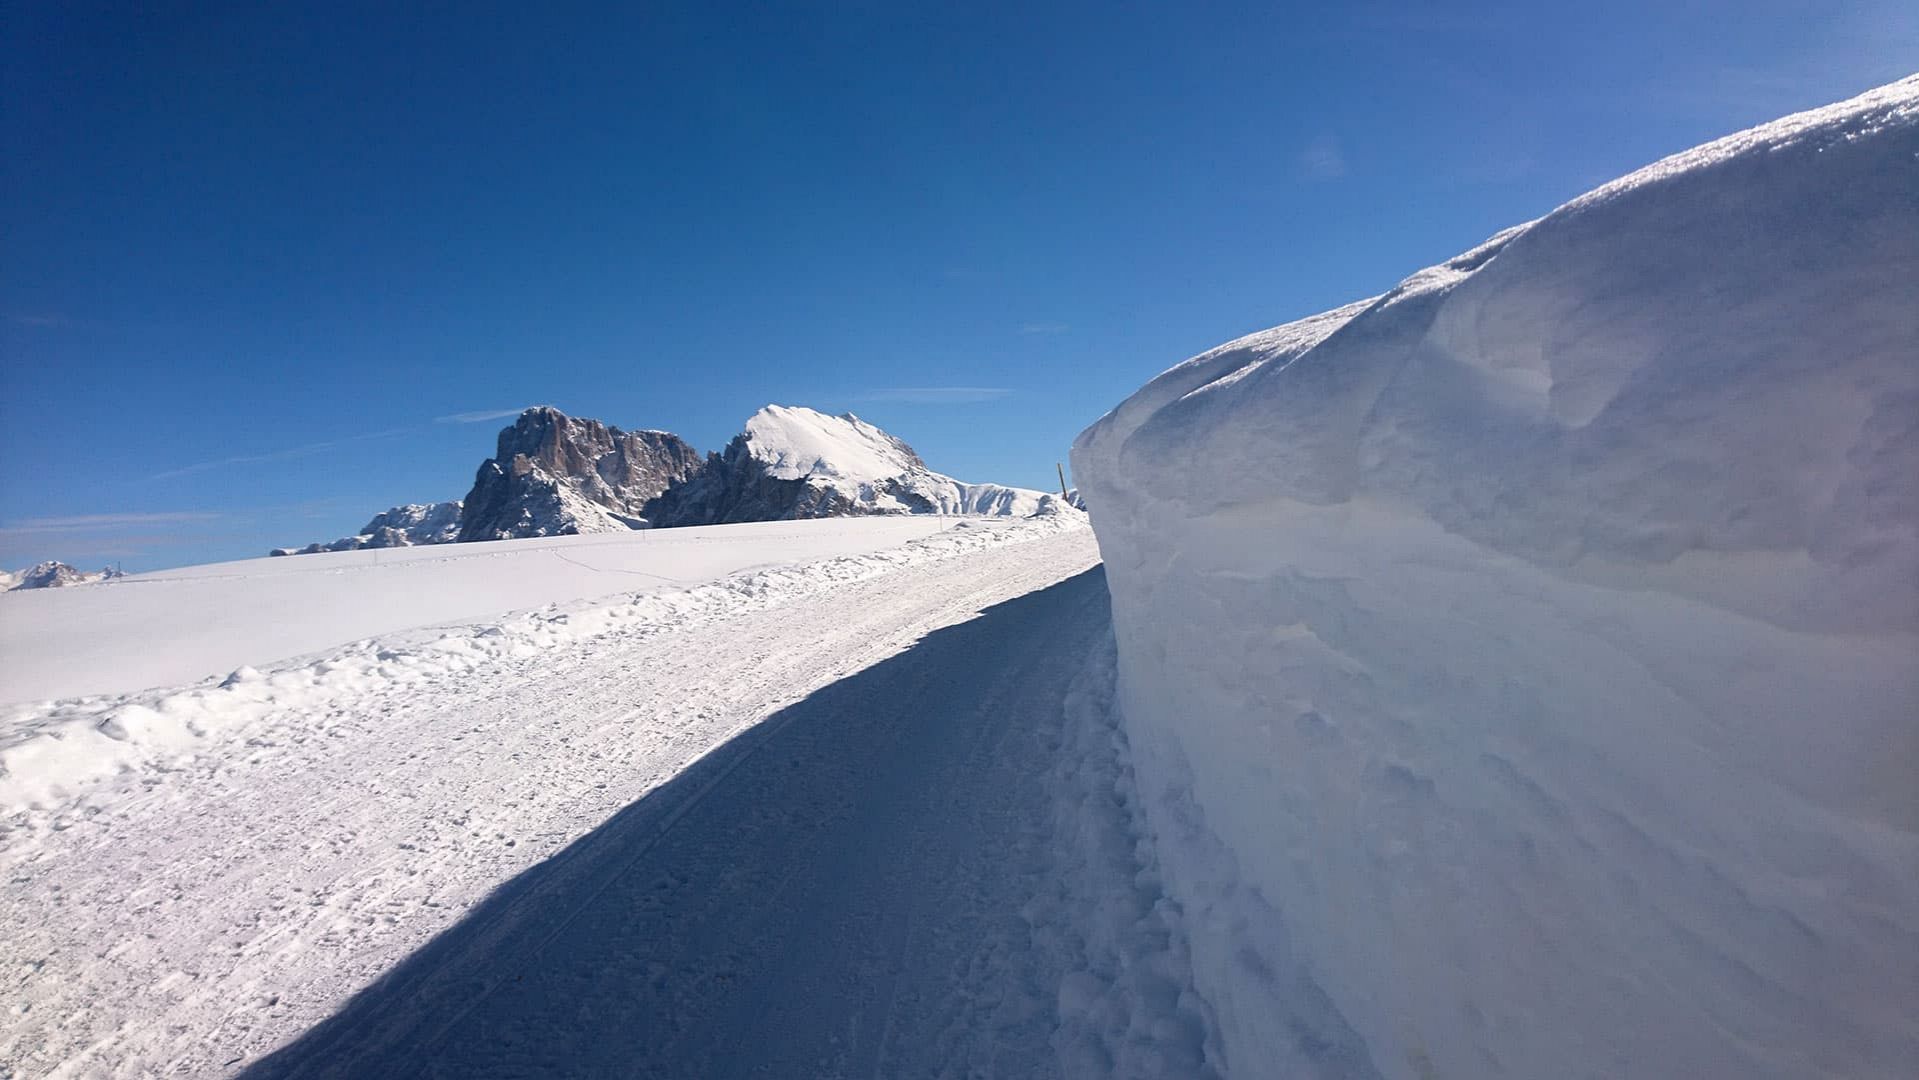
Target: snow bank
{"points": [[54, 750], [1519, 666]]}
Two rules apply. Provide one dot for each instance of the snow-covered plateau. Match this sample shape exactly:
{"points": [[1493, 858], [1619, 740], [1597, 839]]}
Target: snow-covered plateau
{"points": [[1522, 667]]}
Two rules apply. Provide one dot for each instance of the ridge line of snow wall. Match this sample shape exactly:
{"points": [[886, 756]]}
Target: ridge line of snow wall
{"points": [[1522, 667]]}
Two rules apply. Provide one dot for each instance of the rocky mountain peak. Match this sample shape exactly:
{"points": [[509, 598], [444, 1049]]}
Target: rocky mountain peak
{"points": [[554, 474], [794, 462]]}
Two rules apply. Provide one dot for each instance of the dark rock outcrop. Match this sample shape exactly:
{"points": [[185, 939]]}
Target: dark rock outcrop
{"points": [[555, 475], [734, 486]]}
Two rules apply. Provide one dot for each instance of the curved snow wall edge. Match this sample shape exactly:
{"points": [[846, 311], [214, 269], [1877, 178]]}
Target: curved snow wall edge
{"points": [[1520, 666]]}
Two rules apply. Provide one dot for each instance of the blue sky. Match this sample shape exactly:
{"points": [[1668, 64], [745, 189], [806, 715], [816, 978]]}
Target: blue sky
{"points": [[269, 269]]}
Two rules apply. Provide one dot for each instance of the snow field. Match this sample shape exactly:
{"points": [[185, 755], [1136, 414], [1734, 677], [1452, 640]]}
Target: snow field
{"points": [[52, 750], [173, 627]]}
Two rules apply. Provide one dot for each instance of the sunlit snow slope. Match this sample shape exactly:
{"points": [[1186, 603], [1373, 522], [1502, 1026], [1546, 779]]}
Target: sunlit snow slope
{"points": [[176, 626], [1521, 664]]}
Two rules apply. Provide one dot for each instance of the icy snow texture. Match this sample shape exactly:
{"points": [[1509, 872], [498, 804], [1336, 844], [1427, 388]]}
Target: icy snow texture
{"points": [[1522, 662]]}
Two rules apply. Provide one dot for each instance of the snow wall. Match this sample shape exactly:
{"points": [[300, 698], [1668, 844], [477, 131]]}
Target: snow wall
{"points": [[1522, 667]]}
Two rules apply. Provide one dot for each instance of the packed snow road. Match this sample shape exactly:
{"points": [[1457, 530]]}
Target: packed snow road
{"points": [[837, 892], [812, 827]]}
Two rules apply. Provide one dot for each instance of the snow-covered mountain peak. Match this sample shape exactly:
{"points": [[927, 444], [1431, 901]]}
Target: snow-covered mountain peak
{"points": [[52, 575], [556, 475], [794, 442], [795, 462]]}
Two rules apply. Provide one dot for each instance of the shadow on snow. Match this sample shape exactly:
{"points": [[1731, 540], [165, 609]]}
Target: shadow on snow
{"points": [[750, 915]]}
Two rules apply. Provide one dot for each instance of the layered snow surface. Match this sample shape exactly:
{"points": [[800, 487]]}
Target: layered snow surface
{"points": [[1520, 665]]}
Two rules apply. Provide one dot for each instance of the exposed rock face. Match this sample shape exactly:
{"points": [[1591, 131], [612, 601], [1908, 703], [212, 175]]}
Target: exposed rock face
{"points": [[733, 487], [556, 475], [402, 526], [56, 575]]}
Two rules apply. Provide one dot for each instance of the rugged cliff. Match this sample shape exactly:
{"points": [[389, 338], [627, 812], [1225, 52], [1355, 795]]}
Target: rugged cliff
{"points": [[554, 474]]}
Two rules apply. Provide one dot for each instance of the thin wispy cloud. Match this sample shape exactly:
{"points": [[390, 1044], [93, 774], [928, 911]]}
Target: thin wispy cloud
{"points": [[479, 417], [286, 454], [1323, 159], [103, 550], [937, 395], [310, 449], [1496, 168], [1044, 328], [43, 320], [106, 522]]}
